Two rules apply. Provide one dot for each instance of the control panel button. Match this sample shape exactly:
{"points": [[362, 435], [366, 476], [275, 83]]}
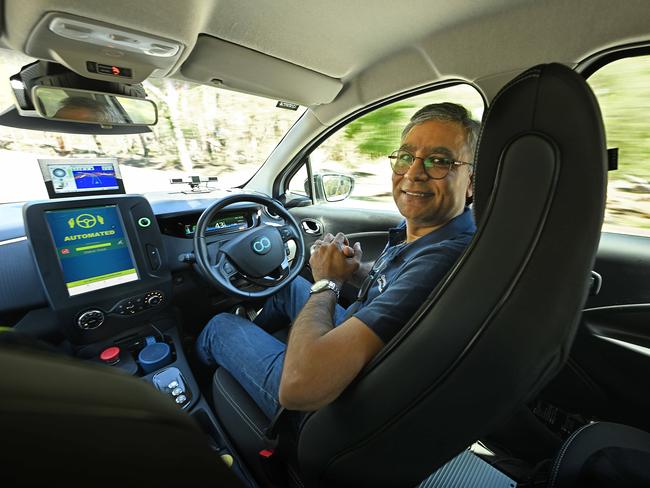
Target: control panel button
{"points": [[110, 355], [133, 305], [154, 298], [144, 222], [91, 319], [170, 382], [154, 257]]}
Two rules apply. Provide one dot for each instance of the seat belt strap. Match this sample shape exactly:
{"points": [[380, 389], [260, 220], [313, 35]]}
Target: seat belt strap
{"points": [[271, 432]]}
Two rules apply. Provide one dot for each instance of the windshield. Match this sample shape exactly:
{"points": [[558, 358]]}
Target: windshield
{"points": [[201, 131]]}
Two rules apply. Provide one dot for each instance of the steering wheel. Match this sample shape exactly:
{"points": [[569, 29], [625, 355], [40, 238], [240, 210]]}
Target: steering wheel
{"points": [[259, 255]]}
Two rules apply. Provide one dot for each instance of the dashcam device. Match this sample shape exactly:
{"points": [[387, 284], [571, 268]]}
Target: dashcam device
{"points": [[77, 177], [195, 183]]}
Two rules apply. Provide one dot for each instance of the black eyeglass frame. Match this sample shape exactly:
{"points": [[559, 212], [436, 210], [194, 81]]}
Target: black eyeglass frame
{"points": [[448, 161]]}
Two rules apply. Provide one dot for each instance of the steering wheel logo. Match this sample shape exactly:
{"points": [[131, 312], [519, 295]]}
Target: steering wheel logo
{"points": [[261, 246], [86, 221]]}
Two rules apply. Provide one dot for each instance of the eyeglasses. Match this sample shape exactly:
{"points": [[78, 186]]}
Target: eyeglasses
{"points": [[436, 167]]}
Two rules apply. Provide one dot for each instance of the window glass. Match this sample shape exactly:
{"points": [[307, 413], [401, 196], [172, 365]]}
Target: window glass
{"points": [[299, 182], [623, 92], [361, 148], [201, 131]]}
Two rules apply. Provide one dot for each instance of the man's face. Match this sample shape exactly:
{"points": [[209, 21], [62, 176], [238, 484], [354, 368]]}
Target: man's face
{"points": [[82, 114], [423, 201]]}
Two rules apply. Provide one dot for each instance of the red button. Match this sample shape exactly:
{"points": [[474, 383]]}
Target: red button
{"points": [[110, 355]]}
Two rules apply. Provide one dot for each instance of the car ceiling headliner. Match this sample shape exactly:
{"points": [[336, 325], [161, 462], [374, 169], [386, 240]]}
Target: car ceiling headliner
{"points": [[336, 38], [355, 40]]}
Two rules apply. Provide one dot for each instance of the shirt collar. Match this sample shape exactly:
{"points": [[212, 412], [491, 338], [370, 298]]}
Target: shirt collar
{"points": [[463, 223]]}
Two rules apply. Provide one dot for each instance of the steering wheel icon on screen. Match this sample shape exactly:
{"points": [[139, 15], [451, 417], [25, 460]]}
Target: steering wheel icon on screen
{"points": [[86, 221]]}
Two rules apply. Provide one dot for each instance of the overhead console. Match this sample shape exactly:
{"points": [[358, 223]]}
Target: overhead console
{"points": [[101, 261], [100, 50]]}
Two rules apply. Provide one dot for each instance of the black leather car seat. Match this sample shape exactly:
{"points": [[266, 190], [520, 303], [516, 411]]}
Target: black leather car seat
{"points": [[69, 422], [500, 324], [603, 454]]}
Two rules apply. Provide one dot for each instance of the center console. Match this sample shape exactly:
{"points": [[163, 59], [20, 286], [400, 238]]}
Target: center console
{"points": [[108, 281]]}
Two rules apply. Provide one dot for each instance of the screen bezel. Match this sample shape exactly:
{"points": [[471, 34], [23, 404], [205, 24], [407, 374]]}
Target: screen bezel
{"points": [[124, 232], [47, 178]]}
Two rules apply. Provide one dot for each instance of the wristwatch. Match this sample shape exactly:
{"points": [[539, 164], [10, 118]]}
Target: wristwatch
{"points": [[322, 285]]}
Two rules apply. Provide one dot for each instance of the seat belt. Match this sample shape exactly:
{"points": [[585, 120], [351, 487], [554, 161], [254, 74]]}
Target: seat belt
{"points": [[269, 457], [271, 433]]}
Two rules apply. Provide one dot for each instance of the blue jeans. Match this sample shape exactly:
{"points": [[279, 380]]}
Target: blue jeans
{"points": [[250, 354]]}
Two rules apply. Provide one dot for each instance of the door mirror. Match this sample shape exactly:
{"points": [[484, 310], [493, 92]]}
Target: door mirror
{"points": [[333, 187], [92, 107]]}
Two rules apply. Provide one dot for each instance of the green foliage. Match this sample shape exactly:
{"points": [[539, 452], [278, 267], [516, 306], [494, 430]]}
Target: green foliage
{"points": [[623, 92], [378, 133]]}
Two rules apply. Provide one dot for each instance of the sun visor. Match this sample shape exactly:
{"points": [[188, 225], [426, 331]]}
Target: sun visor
{"points": [[226, 65]]}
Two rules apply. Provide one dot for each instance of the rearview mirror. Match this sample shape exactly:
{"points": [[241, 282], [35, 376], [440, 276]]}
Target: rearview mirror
{"points": [[92, 107]]}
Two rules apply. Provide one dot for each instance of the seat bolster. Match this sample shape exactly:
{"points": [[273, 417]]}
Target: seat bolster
{"points": [[242, 418]]}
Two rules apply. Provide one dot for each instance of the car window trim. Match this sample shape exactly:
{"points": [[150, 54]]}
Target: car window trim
{"points": [[596, 61]]}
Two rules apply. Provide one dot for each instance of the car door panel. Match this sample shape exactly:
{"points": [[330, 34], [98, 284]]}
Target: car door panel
{"points": [[368, 227], [609, 368]]}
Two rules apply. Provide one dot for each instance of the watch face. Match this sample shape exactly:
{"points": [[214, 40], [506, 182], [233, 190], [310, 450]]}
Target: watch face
{"points": [[319, 285]]}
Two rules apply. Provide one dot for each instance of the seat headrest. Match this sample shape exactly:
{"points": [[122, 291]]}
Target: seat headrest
{"points": [[554, 103]]}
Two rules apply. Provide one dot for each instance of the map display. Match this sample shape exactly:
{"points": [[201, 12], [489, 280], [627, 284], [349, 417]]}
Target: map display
{"points": [[93, 177], [70, 176]]}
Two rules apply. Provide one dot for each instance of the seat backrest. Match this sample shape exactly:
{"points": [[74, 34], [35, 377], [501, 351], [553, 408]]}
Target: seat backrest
{"points": [[66, 419], [502, 322]]}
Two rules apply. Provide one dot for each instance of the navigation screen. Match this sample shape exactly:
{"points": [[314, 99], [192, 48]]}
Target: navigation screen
{"points": [[92, 248], [70, 176]]}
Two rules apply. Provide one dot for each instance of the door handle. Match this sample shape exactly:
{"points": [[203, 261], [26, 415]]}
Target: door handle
{"points": [[312, 227]]}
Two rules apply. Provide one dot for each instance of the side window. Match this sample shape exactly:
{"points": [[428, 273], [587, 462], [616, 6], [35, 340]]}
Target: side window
{"points": [[356, 156], [299, 184], [623, 92]]}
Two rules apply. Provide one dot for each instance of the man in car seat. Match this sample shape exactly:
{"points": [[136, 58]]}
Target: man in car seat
{"points": [[328, 345]]}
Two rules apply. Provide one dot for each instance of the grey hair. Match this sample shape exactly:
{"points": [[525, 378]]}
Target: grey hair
{"points": [[450, 112], [106, 112]]}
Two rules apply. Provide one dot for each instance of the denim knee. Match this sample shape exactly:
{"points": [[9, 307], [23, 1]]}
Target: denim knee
{"points": [[212, 336]]}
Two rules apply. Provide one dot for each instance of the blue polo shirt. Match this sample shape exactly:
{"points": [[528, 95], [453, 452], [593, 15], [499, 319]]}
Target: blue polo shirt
{"points": [[406, 273]]}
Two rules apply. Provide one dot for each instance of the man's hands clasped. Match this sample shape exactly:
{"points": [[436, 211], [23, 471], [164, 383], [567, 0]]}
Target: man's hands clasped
{"points": [[333, 258]]}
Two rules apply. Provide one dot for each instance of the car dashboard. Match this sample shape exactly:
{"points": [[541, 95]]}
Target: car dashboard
{"points": [[158, 233]]}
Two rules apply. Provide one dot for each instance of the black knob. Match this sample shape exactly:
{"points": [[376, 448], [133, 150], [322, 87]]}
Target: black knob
{"points": [[90, 319], [154, 298]]}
